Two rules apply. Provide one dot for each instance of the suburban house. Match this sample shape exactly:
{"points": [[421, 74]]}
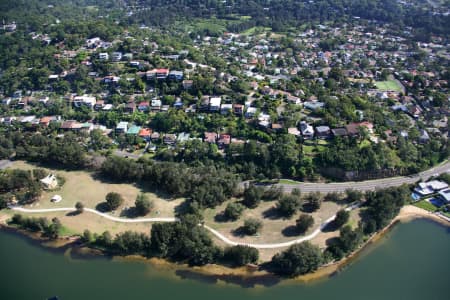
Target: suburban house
{"points": [[226, 109], [145, 133], [430, 187], [445, 195], [424, 137], [306, 130], [214, 104], [238, 109], [116, 56], [339, 132], [99, 105], [103, 56], [84, 100], [144, 106], [170, 139], [323, 132], [224, 140], [156, 105], [133, 130], [210, 137], [122, 127], [175, 75], [130, 107]]}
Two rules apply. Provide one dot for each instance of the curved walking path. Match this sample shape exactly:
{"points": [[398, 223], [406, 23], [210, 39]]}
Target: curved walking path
{"points": [[213, 231]]}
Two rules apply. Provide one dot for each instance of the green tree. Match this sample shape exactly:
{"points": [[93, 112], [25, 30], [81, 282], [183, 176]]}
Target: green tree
{"points": [[114, 200], [288, 205], [313, 201], [342, 217], [143, 204], [297, 260], [233, 211], [304, 222], [241, 255], [252, 226], [252, 196], [79, 207]]}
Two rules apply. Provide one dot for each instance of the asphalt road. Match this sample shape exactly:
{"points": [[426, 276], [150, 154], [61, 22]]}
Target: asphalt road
{"points": [[366, 185]]}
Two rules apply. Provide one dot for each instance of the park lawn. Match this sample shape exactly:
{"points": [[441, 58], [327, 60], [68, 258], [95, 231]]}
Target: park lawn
{"points": [[288, 181], [388, 85], [255, 29], [273, 225], [84, 187], [424, 204]]}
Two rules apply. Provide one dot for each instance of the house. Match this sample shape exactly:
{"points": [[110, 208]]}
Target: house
{"points": [[45, 121], [238, 109], [187, 84], [251, 112], [107, 107], [169, 139], [276, 127], [50, 182], [226, 109], [144, 106], [214, 104], [122, 127], [99, 105], [445, 195], [210, 137], [103, 56], [352, 129], [145, 133], [130, 107], [116, 56], [71, 125], [175, 75], [84, 100], [323, 132], [430, 187], [313, 105], [162, 73], [306, 130], [339, 132], [155, 136], [156, 105], [224, 140], [178, 104], [133, 130], [294, 131], [183, 137], [424, 137], [204, 104]]}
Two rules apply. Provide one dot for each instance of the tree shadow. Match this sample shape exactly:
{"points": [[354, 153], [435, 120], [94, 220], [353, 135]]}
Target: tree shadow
{"points": [[73, 213], [221, 218], [272, 213], [330, 227], [291, 231], [102, 207], [239, 232], [129, 212], [306, 208], [332, 241]]}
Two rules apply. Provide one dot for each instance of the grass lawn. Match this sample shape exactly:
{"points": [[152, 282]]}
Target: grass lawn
{"points": [[424, 204], [388, 85], [256, 29], [288, 181]]}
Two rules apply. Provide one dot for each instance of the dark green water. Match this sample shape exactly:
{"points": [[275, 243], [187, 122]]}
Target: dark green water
{"points": [[412, 262]]}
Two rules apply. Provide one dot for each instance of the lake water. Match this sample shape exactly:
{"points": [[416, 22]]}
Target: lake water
{"points": [[412, 262]]}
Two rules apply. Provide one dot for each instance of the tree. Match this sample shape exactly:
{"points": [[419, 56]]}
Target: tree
{"points": [[252, 196], [288, 205], [79, 207], [297, 260], [114, 200], [304, 222], [353, 195], [53, 229], [143, 204], [314, 201], [233, 211], [252, 226], [241, 255], [88, 237], [342, 217]]}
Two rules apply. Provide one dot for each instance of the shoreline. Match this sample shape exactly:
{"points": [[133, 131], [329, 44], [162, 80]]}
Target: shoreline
{"points": [[246, 276]]}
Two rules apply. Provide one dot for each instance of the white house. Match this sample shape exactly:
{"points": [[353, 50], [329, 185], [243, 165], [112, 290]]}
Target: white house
{"points": [[430, 187], [307, 130], [214, 103], [50, 181]]}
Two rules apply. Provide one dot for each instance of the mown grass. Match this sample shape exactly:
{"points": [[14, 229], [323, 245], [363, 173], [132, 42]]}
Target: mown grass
{"points": [[424, 204], [388, 85]]}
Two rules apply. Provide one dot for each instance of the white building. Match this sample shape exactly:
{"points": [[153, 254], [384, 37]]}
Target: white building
{"points": [[214, 103], [430, 187]]}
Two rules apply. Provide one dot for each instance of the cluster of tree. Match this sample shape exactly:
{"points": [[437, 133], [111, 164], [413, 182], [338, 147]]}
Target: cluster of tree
{"points": [[381, 207], [206, 186], [22, 185], [48, 229], [280, 14], [297, 260]]}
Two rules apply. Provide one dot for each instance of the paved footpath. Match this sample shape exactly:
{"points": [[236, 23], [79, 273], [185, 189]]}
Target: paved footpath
{"points": [[215, 232]]}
